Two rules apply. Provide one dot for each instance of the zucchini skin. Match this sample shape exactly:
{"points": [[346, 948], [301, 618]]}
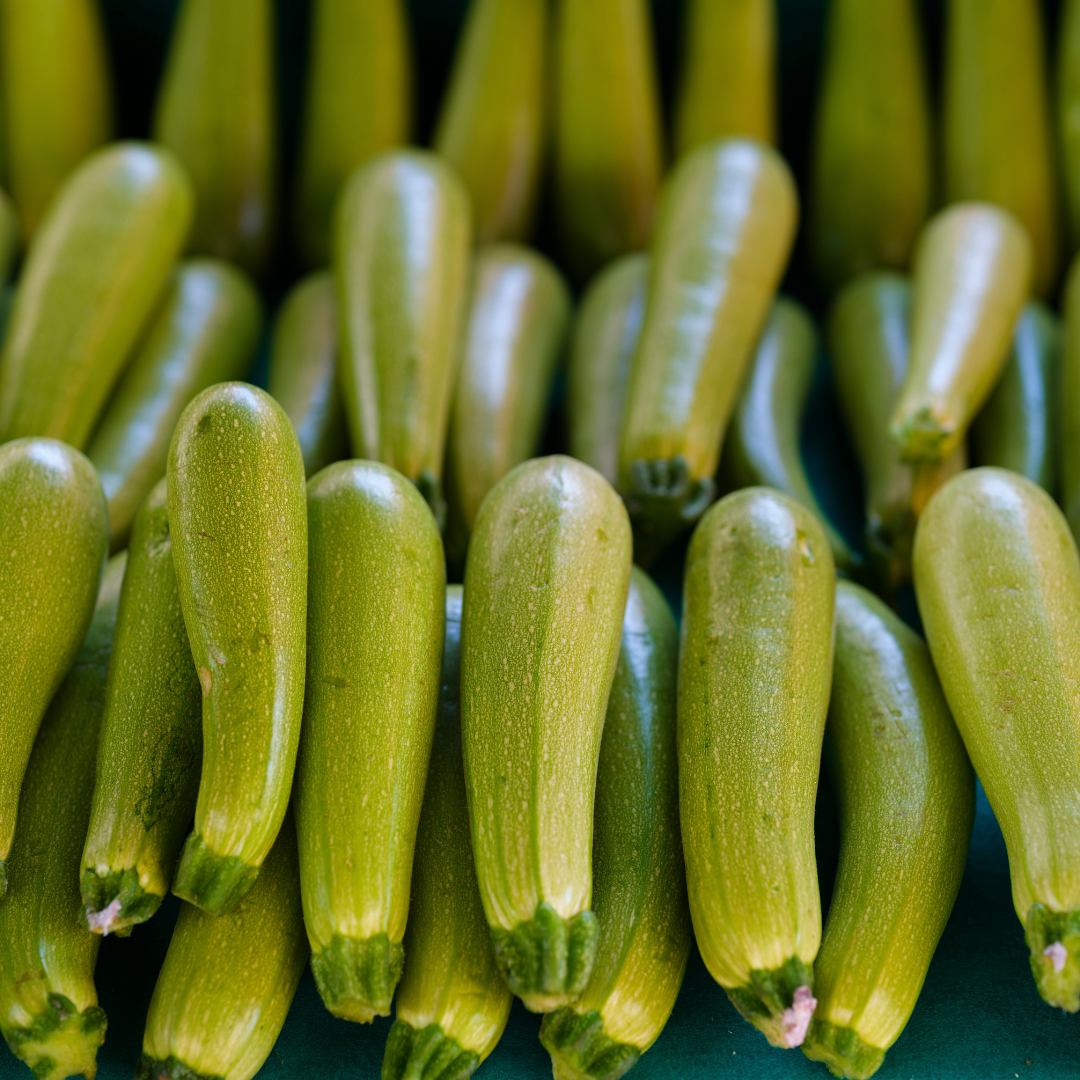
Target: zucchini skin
{"points": [[755, 666], [639, 893], [376, 561], [545, 587], [998, 584], [606, 131], [452, 1003], [401, 263], [1069, 407], [872, 170], [205, 332], [303, 376], [971, 280], [358, 102], [97, 269], [49, 1013], [150, 748], [1068, 98], [492, 126], [604, 340], [906, 796], [47, 491], [726, 225], [240, 553], [225, 988]]}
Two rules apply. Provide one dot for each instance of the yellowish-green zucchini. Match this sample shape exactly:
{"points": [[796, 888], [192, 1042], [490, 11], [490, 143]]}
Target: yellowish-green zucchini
{"points": [[1068, 114], [1069, 407]]}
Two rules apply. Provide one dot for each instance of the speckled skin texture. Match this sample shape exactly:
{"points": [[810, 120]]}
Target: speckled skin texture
{"points": [[53, 541], [238, 522]]}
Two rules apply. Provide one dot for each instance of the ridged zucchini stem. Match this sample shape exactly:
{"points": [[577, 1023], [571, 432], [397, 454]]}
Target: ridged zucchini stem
{"points": [[841, 1049], [1054, 940], [356, 976], [779, 1003], [581, 1049], [427, 1054]]}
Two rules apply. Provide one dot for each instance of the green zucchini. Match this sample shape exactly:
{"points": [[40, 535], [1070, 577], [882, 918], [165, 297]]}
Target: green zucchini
{"points": [[492, 126], [9, 233], [49, 1013], [452, 1003], [205, 331], [755, 662], [1068, 113], [225, 988], [215, 111], [727, 222], [402, 261], [303, 370], [906, 798], [607, 139], [238, 524], [727, 85], [376, 600], [1069, 408], [605, 338], [998, 584], [639, 896], [93, 277], [151, 739], [545, 587], [971, 279], [358, 103], [998, 141], [54, 535], [872, 172]]}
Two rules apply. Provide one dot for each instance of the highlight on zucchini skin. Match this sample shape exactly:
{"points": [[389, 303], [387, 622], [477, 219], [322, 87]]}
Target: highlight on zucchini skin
{"points": [[1068, 413], [639, 890], [906, 796], [452, 1003]]}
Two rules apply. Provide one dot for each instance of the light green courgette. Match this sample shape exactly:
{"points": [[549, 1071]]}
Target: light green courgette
{"points": [[49, 1013], [54, 533], [205, 332], [97, 269], [755, 669], [906, 798], [376, 600], [303, 376], [238, 524], [401, 262], [998, 584], [151, 739], [1068, 114], [1069, 407], [639, 896], [545, 588], [727, 222], [452, 1003]]}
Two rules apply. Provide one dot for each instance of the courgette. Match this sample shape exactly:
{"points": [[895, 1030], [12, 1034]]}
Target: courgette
{"points": [[9, 233], [1068, 114], [1069, 407]]}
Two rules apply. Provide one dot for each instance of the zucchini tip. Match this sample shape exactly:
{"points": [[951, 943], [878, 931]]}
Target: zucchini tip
{"points": [[842, 1051], [1054, 940], [216, 883], [356, 977], [779, 1003], [581, 1049], [425, 1054]]}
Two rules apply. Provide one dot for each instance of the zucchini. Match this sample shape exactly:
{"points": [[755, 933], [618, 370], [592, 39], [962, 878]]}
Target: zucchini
{"points": [[376, 599], [906, 798], [755, 665], [205, 331], [545, 588], [49, 1013], [727, 222], [1068, 104], [151, 739], [491, 126], [452, 1003], [54, 533], [9, 233], [639, 896], [238, 524], [1069, 408], [402, 262], [998, 584], [95, 274]]}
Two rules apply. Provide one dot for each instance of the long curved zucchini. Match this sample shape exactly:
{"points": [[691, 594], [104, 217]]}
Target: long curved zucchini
{"points": [[151, 739], [545, 588], [205, 332], [401, 262], [639, 896], [49, 1013], [369, 715], [452, 1003], [97, 269], [1068, 103], [54, 532], [238, 523], [755, 669], [906, 798], [998, 584], [1069, 407]]}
